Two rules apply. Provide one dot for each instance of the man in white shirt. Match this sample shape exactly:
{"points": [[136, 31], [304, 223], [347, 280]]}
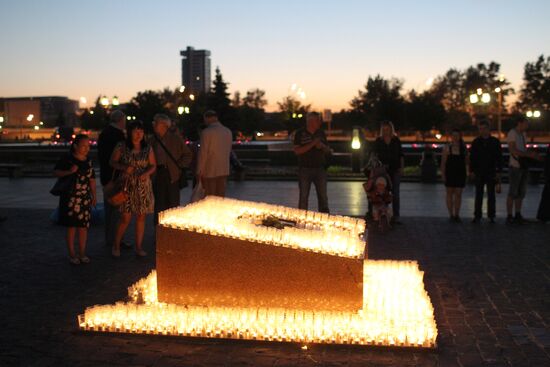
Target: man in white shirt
{"points": [[518, 170], [215, 149]]}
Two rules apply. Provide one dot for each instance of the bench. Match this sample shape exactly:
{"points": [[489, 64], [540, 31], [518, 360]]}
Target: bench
{"points": [[15, 170]]}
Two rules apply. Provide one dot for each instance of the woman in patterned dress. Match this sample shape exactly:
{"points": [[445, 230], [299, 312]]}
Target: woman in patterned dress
{"points": [[136, 160], [75, 205]]}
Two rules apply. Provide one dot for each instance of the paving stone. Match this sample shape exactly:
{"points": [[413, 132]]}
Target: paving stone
{"points": [[490, 298]]}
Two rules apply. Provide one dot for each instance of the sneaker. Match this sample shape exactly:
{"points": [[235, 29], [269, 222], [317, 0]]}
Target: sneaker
{"points": [[519, 219], [509, 220], [74, 260], [141, 253], [115, 252], [84, 259]]}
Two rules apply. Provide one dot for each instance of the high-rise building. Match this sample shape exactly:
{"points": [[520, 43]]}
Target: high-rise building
{"points": [[195, 70]]}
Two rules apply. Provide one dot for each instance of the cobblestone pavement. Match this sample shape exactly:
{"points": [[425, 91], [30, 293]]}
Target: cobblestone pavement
{"points": [[490, 286]]}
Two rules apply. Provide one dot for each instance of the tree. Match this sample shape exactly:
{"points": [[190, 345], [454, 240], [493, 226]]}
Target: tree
{"points": [[250, 110], [535, 91], [449, 90], [255, 98], [96, 118], [424, 111], [145, 105], [381, 100], [218, 100], [293, 112]]}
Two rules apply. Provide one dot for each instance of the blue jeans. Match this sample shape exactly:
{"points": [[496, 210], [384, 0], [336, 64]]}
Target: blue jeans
{"points": [[395, 182], [317, 176]]}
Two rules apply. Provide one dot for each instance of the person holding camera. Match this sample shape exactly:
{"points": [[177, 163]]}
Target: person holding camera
{"points": [[518, 170]]}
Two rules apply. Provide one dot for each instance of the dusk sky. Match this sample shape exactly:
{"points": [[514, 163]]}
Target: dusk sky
{"points": [[86, 48]]}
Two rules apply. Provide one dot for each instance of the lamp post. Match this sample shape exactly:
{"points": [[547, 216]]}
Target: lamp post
{"points": [[498, 91], [535, 114], [357, 150], [479, 97]]}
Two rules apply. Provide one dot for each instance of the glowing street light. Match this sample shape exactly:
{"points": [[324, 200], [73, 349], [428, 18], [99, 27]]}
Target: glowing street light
{"points": [[36, 127], [41, 123], [30, 117], [355, 142], [187, 110], [533, 114], [104, 101], [192, 97], [181, 110], [498, 90], [1, 119], [485, 97], [479, 91], [474, 98], [182, 89], [115, 101]]}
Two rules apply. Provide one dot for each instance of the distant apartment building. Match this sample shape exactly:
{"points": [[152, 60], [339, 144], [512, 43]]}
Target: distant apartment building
{"points": [[53, 111], [195, 70]]}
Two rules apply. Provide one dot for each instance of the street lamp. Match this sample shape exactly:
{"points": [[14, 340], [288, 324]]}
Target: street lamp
{"points": [[115, 101], [104, 101], [181, 110], [533, 114]]}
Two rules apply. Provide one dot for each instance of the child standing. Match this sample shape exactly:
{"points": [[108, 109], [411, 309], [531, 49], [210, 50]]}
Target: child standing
{"points": [[75, 204], [381, 198]]}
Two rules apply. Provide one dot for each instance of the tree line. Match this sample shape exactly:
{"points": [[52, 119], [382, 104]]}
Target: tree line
{"points": [[445, 104]]}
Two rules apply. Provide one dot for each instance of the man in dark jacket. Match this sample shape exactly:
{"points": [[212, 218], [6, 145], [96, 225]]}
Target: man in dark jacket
{"points": [[485, 167], [311, 148], [110, 136]]}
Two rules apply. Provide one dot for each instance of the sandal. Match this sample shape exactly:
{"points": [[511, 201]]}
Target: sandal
{"points": [[85, 259], [115, 252], [141, 253], [74, 260]]}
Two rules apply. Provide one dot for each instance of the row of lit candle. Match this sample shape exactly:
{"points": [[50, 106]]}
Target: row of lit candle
{"points": [[319, 232], [397, 311]]}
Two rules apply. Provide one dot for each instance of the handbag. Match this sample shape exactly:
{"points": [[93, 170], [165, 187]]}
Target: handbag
{"points": [[182, 183], [63, 185], [116, 191]]}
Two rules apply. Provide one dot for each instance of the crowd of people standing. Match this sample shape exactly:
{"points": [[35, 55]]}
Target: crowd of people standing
{"points": [[143, 175], [139, 175]]}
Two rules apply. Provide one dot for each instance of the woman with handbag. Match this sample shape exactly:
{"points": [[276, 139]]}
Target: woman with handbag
{"points": [[135, 159], [77, 194]]}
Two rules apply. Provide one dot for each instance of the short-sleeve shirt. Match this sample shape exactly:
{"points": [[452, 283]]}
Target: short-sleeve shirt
{"points": [[85, 167], [519, 139], [315, 157]]}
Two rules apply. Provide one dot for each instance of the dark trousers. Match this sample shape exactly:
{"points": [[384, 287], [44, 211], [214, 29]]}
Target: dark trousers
{"points": [[481, 182], [317, 176], [112, 216], [167, 193]]}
